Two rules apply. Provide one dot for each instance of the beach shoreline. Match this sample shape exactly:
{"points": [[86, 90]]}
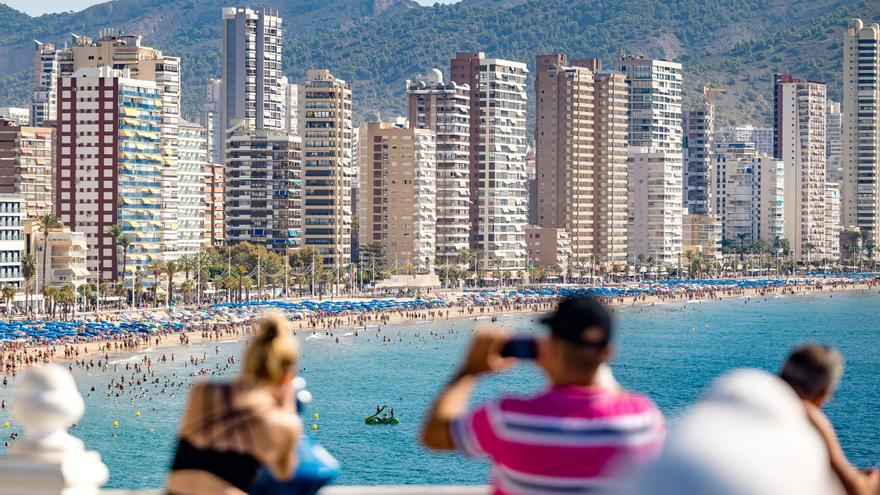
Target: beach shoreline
{"points": [[26, 355]]}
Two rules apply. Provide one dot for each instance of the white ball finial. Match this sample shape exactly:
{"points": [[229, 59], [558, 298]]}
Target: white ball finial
{"points": [[45, 403], [48, 460]]}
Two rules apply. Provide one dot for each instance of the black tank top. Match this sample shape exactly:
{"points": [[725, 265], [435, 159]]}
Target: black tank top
{"points": [[238, 469]]}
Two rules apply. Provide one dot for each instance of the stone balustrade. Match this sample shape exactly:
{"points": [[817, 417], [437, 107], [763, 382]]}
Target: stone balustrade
{"points": [[48, 460]]}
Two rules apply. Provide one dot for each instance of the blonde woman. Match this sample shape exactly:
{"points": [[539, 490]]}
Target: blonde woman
{"points": [[231, 430]]}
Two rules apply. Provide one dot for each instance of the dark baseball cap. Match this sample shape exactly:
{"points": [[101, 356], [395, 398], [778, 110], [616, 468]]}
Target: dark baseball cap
{"points": [[581, 320]]}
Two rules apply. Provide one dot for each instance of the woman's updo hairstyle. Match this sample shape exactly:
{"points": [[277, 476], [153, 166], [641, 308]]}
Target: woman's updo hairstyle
{"points": [[273, 352]]}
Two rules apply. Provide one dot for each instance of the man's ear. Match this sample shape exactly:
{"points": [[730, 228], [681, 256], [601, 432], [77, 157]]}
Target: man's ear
{"points": [[608, 353]]}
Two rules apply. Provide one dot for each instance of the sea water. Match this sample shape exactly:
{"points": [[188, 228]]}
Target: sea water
{"points": [[669, 351]]}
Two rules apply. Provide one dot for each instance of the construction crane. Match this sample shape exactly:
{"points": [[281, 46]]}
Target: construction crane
{"points": [[709, 89]]}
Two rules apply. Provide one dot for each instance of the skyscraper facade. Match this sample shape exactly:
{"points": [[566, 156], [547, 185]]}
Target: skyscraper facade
{"points": [[397, 195], [834, 143], [861, 128], [581, 150], [699, 139], [325, 125], [445, 109], [250, 87], [799, 115], [498, 144], [762, 137], [192, 180], [108, 166], [26, 166], [263, 187], [747, 194], [655, 135]]}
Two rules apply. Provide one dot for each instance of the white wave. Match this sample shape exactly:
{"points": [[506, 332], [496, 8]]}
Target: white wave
{"points": [[316, 336]]}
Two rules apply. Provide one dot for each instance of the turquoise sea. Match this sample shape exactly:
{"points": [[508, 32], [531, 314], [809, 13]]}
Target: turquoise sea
{"points": [[669, 351]]}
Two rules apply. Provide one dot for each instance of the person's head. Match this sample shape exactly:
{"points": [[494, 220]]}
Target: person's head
{"points": [[578, 343], [270, 359], [813, 371]]}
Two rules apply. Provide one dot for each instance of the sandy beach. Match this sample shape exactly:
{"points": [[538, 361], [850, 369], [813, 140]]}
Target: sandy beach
{"points": [[21, 355]]}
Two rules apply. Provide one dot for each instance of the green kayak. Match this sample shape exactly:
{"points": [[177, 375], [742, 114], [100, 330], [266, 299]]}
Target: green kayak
{"points": [[376, 419]]}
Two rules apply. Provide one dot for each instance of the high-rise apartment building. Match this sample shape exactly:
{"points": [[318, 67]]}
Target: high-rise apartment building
{"points": [[192, 180], [655, 165], [11, 239], [115, 50], [762, 137], [263, 187], [214, 193], [290, 92], [581, 154], [655, 211], [860, 194], [498, 144], [699, 139], [445, 109], [250, 87], [799, 116], [747, 194], [210, 120], [833, 143], [832, 221], [325, 125], [26, 166], [108, 166], [47, 70], [397, 194]]}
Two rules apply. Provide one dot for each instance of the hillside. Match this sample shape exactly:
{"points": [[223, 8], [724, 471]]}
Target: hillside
{"points": [[377, 44]]}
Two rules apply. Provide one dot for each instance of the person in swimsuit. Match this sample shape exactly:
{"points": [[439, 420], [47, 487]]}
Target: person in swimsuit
{"points": [[230, 431]]}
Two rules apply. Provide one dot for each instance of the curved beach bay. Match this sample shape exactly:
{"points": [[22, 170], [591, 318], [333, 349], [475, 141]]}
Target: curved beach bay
{"points": [[669, 351]]}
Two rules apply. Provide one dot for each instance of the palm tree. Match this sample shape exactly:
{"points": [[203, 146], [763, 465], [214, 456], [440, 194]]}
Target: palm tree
{"points": [[124, 242], [9, 292], [28, 270], [45, 223], [170, 269]]}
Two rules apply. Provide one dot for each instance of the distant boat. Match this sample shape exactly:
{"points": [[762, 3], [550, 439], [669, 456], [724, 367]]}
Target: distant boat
{"points": [[375, 419]]}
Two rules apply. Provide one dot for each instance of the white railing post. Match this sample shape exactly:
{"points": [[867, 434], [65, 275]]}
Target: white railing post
{"points": [[48, 460]]}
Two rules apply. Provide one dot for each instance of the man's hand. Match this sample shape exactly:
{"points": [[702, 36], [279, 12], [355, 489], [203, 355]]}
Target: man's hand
{"points": [[485, 352]]}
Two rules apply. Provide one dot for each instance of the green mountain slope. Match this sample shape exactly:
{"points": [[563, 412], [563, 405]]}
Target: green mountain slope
{"points": [[377, 44]]}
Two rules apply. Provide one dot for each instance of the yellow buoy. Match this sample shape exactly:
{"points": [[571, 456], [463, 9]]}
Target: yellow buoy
{"points": [[6, 424], [315, 415], [137, 414], [314, 426], [116, 424]]}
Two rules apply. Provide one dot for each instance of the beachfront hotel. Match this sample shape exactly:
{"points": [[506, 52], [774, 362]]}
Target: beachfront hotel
{"points": [[581, 154], [250, 86], [26, 165], [325, 125], [498, 195], [263, 187], [444, 107], [192, 154], [699, 139], [799, 117], [109, 166], [397, 195], [761, 136], [655, 158], [747, 190], [12, 207], [861, 128]]}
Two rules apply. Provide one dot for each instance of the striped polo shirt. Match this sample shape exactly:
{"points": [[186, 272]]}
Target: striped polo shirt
{"points": [[568, 440]]}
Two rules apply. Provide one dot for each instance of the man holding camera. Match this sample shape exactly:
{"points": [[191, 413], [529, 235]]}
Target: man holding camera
{"points": [[581, 435]]}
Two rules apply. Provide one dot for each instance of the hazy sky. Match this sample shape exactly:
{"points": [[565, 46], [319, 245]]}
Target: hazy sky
{"points": [[37, 7]]}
